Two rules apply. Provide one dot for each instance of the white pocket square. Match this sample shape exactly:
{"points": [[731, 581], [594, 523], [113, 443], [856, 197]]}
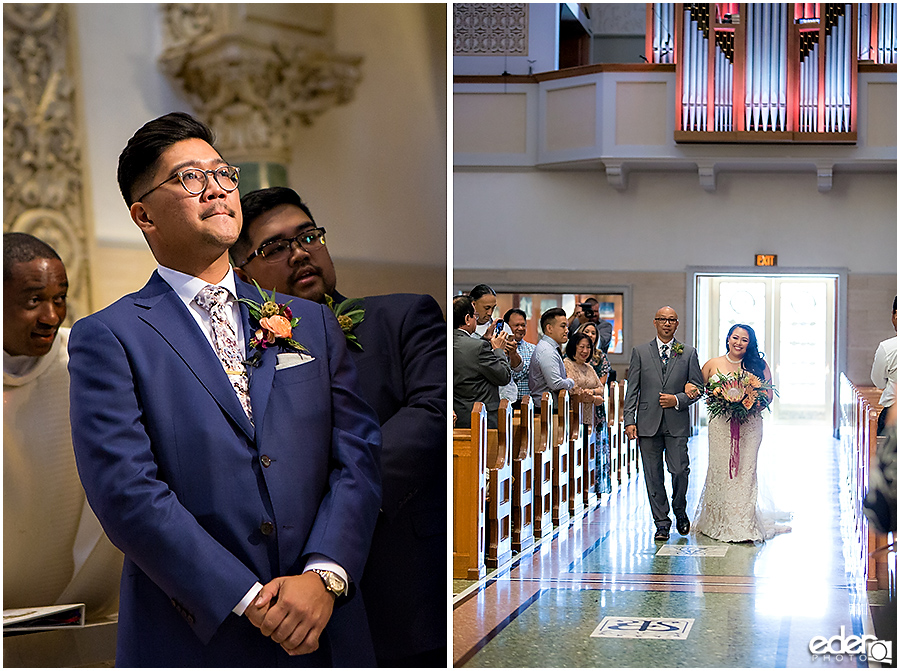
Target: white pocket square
{"points": [[291, 359]]}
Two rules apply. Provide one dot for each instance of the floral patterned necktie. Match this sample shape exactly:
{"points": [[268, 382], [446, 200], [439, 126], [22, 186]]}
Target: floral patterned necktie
{"points": [[212, 299], [665, 357]]}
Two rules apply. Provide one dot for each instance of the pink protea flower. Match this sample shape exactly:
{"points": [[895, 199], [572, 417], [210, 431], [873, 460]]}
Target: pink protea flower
{"points": [[733, 391]]}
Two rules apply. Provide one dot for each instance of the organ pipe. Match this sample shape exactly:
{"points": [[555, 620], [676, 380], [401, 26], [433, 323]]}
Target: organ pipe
{"points": [[819, 85]]}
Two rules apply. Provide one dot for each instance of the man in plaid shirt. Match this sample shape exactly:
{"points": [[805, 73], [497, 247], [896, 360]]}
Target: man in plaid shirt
{"points": [[516, 319]]}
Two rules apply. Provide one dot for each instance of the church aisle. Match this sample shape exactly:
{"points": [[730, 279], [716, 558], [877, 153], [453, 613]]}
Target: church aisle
{"points": [[733, 605]]}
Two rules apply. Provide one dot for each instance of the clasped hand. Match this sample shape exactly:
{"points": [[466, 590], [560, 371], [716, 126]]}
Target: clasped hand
{"points": [[301, 609], [667, 400]]}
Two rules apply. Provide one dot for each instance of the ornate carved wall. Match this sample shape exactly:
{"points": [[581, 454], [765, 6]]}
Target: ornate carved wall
{"points": [[254, 72], [490, 29], [42, 146]]}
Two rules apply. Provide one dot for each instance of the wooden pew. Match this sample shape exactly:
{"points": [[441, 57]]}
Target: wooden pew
{"points": [[560, 454], [523, 476], [859, 426], [616, 432], [591, 445], [499, 509], [543, 469], [631, 455], [577, 432], [469, 496]]}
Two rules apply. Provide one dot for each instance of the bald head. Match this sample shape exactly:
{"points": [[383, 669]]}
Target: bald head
{"points": [[666, 322]]}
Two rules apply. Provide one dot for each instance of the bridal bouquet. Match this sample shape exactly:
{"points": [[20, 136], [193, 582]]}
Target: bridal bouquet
{"points": [[737, 396]]}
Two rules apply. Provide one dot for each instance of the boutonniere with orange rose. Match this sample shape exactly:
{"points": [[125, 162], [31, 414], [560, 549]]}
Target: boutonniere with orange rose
{"points": [[272, 324], [677, 348], [349, 314]]}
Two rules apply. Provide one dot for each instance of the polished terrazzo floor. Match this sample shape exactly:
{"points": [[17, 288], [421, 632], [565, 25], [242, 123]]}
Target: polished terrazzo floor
{"points": [[757, 606]]}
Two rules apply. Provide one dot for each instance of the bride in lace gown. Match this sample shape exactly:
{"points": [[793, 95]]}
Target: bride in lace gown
{"points": [[729, 508]]}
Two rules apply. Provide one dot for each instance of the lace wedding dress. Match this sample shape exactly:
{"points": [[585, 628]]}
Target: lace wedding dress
{"points": [[729, 508]]}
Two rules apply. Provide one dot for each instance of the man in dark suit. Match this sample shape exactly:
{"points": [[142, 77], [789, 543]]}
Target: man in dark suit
{"points": [[480, 366], [402, 359], [657, 376], [240, 480]]}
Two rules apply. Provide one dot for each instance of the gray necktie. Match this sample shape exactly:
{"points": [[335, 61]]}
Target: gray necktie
{"points": [[665, 357], [212, 299]]}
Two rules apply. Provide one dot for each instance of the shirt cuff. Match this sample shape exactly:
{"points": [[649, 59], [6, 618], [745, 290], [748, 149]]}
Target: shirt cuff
{"points": [[242, 606], [322, 562]]}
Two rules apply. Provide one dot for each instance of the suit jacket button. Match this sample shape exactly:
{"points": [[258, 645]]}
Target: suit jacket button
{"points": [[267, 528], [265, 461]]}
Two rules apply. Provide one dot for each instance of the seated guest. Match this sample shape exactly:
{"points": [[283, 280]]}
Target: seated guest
{"points": [[547, 371], [479, 366], [517, 321], [401, 357], [54, 551]]}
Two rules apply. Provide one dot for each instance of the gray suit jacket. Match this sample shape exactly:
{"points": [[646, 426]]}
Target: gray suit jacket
{"points": [[478, 372], [646, 381]]}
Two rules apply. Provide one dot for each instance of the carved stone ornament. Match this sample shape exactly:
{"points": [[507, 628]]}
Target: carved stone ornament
{"points": [[252, 93], [490, 29], [42, 165]]}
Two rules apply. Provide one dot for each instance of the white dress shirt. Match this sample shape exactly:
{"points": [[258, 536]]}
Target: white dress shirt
{"points": [[187, 287]]}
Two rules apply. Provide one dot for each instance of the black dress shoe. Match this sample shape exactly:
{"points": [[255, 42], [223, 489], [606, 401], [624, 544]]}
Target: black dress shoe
{"points": [[683, 526], [661, 535]]}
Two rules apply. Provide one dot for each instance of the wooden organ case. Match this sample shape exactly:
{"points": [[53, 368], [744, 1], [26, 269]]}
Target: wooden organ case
{"points": [[769, 72]]}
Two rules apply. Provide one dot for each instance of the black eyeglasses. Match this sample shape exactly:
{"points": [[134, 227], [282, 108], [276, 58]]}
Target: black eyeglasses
{"points": [[272, 252], [195, 180], [670, 320]]}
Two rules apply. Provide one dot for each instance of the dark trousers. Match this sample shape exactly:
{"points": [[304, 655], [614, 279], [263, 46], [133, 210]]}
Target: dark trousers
{"points": [[674, 450]]}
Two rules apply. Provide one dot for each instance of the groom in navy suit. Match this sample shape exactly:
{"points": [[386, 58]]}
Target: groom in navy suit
{"points": [[241, 481], [402, 362]]}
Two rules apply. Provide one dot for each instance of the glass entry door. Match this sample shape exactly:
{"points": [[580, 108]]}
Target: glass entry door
{"points": [[793, 318]]}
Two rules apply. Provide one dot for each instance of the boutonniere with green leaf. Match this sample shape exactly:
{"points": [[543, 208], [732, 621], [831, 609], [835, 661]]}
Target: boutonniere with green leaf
{"points": [[350, 314], [677, 348], [273, 323]]}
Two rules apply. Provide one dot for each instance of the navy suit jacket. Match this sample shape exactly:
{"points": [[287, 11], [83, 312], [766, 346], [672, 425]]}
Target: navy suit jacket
{"points": [[403, 376], [202, 503]]}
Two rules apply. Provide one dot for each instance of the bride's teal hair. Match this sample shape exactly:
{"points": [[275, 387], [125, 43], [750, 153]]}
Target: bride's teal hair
{"points": [[753, 358]]}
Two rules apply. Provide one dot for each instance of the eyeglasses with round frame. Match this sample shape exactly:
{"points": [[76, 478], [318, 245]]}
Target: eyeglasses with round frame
{"points": [[309, 240], [664, 320], [195, 180]]}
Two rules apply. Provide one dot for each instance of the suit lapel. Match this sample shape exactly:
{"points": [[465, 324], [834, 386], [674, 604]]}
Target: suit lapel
{"points": [[262, 374], [164, 311], [654, 354]]}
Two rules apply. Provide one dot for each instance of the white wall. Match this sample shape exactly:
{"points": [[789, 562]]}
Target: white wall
{"points": [[374, 172], [122, 88], [543, 47], [666, 221]]}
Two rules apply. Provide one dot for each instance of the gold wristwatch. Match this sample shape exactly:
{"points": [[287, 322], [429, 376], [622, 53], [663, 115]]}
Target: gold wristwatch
{"points": [[333, 582]]}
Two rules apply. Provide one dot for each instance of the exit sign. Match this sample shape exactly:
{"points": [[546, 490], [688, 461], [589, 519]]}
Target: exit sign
{"points": [[767, 259]]}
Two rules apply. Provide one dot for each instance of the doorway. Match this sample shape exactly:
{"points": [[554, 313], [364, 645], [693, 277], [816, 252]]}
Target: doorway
{"points": [[793, 317]]}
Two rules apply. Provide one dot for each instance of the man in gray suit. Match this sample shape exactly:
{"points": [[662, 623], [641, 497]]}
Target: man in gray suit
{"points": [[480, 367], [657, 376]]}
